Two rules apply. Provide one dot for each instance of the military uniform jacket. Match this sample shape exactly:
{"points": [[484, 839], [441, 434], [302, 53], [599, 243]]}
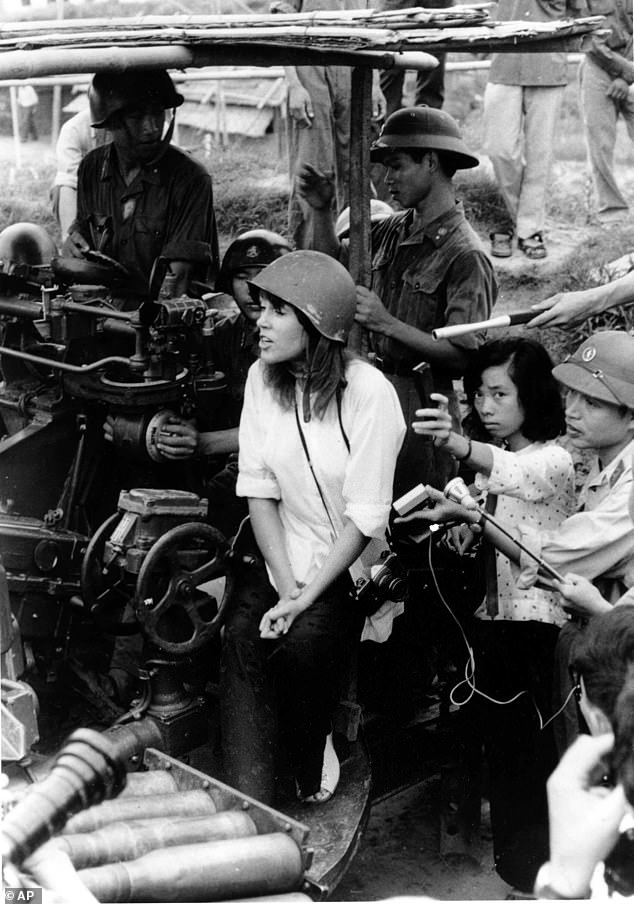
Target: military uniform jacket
{"points": [[169, 203], [431, 277]]}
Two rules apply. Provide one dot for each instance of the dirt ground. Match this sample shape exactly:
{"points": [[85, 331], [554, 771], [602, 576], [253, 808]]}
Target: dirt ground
{"points": [[399, 854]]}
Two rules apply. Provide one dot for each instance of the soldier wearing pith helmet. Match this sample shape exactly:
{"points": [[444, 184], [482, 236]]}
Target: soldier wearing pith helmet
{"points": [[429, 268], [597, 542], [141, 200]]}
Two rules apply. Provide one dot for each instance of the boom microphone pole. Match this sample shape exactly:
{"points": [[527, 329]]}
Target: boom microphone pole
{"points": [[457, 491], [503, 320]]}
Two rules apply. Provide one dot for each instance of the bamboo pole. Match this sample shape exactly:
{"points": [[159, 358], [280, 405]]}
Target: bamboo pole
{"points": [[360, 253]]}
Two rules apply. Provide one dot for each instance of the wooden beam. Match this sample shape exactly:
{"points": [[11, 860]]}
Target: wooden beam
{"points": [[360, 191]]}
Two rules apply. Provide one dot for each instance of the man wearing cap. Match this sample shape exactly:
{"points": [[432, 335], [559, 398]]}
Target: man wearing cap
{"points": [[140, 199], [429, 269], [597, 542]]}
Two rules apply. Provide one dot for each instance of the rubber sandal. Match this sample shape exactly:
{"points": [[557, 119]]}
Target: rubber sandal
{"points": [[533, 247], [330, 773], [501, 244]]}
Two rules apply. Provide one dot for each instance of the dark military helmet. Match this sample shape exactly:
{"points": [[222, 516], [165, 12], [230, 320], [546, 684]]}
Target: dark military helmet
{"points": [[255, 248], [315, 284], [113, 92], [26, 243], [427, 129]]}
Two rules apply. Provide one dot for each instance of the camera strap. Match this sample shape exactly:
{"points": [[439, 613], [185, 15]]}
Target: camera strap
{"points": [[309, 460]]}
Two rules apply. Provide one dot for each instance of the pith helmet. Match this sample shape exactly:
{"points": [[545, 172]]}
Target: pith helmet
{"points": [[426, 128], [113, 92], [26, 243], [315, 284], [602, 368], [255, 248], [379, 210]]}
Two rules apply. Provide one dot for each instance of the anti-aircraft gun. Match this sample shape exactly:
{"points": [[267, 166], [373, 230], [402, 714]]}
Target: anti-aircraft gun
{"points": [[72, 355]]}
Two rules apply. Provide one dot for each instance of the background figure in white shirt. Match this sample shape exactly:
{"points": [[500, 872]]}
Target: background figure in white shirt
{"points": [[319, 436], [76, 138], [516, 402], [27, 105]]}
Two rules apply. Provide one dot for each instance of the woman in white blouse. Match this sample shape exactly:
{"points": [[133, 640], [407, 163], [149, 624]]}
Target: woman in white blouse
{"points": [[319, 436], [516, 405]]}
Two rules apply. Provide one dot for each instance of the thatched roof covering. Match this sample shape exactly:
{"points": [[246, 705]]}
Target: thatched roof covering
{"points": [[365, 38]]}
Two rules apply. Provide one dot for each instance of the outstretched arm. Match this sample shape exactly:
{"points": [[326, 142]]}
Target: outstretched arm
{"points": [[570, 308]]}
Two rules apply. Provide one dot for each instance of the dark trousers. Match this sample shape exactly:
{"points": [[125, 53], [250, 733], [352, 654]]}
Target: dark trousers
{"points": [[280, 695], [511, 657], [570, 723], [430, 86]]}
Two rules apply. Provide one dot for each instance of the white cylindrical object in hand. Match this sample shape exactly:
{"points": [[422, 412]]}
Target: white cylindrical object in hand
{"points": [[457, 491]]}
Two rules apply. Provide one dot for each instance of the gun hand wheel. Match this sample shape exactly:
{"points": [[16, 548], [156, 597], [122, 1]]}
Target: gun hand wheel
{"points": [[175, 613], [104, 589]]}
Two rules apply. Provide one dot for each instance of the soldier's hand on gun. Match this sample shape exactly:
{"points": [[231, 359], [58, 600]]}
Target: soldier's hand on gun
{"points": [[75, 245], [278, 620], [436, 422], [564, 309], [300, 106], [315, 187], [178, 439], [581, 595]]}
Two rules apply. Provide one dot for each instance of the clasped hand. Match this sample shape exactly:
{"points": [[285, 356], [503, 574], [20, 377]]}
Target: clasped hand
{"points": [[278, 620]]}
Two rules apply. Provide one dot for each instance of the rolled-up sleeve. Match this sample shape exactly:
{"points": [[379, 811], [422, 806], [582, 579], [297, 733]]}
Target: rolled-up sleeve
{"points": [[376, 435], [592, 543], [530, 477], [254, 478]]}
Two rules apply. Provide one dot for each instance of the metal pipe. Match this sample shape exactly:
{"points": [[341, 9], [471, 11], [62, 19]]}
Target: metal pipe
{"points": [[61, 365], [214, 871], [121, 841], [110, 313], [457, 491], [176, 804], [17, 307]]}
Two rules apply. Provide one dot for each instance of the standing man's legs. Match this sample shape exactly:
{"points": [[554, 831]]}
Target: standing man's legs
{"points": [[600, 114], [317, 145], [502, 141], [541, 114], [430, 85], [391, 81]]}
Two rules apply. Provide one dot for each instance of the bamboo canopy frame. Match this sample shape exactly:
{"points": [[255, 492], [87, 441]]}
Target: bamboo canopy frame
{"points": [[361, 39]]}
